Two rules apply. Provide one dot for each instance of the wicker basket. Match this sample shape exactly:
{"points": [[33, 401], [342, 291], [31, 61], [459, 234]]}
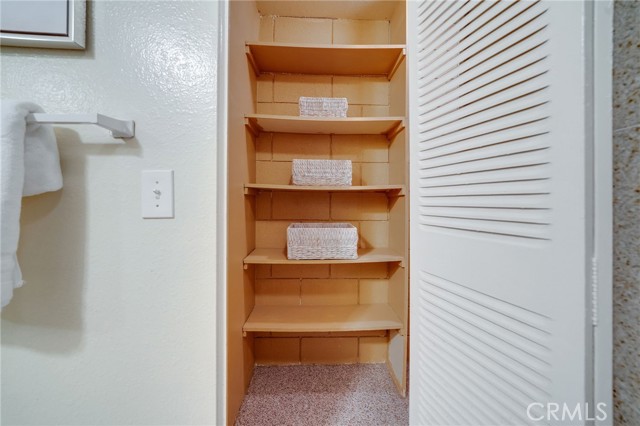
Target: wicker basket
{"points": [[322, 172], [322, 241], [323, 107]]}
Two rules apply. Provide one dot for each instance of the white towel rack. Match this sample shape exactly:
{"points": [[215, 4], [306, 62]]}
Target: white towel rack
{"points": [[118, 128]]}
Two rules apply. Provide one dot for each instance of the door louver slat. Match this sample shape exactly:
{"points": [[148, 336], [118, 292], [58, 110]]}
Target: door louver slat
{"points": [[489, 117], [502, 350], [499, 156]]}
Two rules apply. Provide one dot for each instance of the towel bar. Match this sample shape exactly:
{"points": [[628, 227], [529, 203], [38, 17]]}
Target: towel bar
{"points": [[118, 128]]}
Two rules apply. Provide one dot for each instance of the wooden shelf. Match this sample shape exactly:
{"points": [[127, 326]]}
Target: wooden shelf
{"points": [[332, 59], [298, 319], [278, 256], [389, 126], [392, 190], [361, 9]]}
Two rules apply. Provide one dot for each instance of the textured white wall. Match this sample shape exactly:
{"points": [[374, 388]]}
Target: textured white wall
{"points": [[116, 323], [626, 207]]}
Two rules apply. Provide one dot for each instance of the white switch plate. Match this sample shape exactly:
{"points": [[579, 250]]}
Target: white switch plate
{"points": [[157, 194]]}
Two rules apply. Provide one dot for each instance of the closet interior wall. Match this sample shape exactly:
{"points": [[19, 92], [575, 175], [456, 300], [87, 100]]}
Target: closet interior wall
{"points": [[260, 221], [241, 154]]}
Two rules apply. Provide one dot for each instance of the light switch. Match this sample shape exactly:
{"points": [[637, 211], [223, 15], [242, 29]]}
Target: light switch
{"points": [[157, 194]]}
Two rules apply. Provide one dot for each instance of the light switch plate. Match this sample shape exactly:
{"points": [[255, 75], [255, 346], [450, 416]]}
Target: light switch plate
{"points": [[157, 194]]}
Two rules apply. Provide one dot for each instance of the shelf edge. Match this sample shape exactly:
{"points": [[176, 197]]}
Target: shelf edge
{"points": [[386, 319], [283, 260], [396, 65], [389, 190], [252, 60]]}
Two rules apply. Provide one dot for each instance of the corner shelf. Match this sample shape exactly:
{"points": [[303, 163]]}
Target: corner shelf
{"points": [[389, 126], [332, 59], [311, 318], [391, 190], [278, 256]]}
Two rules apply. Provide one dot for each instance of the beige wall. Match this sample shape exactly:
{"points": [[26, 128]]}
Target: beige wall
{"points": [[322, 284], [116, 321], [243, 25]]}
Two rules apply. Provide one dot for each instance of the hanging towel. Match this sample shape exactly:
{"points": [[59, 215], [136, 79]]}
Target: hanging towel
{"points": [[29, 165]]}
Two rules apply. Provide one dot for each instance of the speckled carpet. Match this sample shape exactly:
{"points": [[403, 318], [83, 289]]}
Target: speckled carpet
{"points": [[323, 395]]}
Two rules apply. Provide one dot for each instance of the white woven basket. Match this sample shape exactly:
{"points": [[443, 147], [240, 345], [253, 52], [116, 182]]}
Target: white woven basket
{"points": [[322, 241], [321, 172], [323, 107]]}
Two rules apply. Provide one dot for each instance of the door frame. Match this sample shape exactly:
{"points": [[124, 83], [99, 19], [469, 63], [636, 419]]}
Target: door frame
{"points": [[221, 214], [602, 189]]}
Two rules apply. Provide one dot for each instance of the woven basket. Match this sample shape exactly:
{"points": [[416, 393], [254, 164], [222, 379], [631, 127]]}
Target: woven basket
{"points": [[322, 241], [323, 107], [321, 172]]}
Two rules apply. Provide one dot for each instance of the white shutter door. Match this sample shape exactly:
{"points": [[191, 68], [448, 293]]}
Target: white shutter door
{"points": [[499, 315]]}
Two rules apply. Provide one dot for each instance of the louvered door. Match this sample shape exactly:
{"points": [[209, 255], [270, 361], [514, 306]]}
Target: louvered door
{"points": [[498, 224]]}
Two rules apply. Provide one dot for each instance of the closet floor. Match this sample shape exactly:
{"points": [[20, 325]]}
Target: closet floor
{"points": [[323, 395]]}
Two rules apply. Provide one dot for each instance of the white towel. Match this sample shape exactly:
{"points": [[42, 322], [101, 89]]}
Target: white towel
{"points": [[30, 165]]}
